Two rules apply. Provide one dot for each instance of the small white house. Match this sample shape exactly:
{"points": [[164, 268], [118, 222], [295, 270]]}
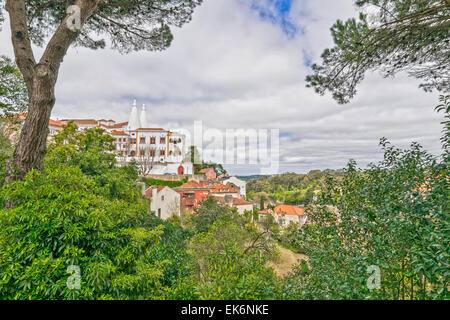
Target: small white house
{"points": [[238, 182], [286, 215], [164, 202], [240, 204]]}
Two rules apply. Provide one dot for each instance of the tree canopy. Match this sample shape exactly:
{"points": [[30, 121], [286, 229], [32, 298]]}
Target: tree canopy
{"points": [[127, 24], [13, 91], [389, 36]]}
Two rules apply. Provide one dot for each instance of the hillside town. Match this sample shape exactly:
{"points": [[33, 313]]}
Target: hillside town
{"points": [[160, 154], [230, 191]]}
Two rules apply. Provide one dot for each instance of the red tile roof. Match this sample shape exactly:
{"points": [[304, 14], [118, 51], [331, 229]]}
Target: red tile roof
{"points": [[119, 125], [81, 121], [55, 123], [150, 129], [219, 188], [118, 133], [20, 116], [191, 185], [289, 210], [236, 201], [241, 202], [149, 191]]}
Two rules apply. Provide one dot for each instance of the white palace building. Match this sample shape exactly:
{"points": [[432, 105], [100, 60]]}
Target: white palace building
{"points": [[157, 150]]}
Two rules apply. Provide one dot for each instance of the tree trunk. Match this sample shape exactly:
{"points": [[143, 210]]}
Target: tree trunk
{"points": [[30, 151], [40, 79]]}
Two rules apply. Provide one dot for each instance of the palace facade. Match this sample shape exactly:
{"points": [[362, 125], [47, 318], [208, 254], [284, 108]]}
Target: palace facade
{"points": [[155, 150]]}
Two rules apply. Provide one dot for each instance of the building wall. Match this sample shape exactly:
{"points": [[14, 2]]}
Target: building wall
{"points": [[223, 194], [289, 219], [167, 146], [240, 183], [244, 207], [190, 199], [175, 177], [210, 173], [165, 203]]}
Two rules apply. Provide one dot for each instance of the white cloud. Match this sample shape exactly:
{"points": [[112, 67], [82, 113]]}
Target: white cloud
{"points": [[232, 69]]}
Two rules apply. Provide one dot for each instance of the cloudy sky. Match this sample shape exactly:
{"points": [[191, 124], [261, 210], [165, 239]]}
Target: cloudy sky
{"points": [[241, 64]]}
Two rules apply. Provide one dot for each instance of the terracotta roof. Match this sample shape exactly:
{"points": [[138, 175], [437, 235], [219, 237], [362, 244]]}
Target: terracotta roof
{"points": [[289, 210], [20, 116], [119, 125], [240, 202], [222, 188], [206, 170], [191, 185], [149, 191], [81, 121], [55, 123], [118, 133], [150, 129], [236, 201], [264, 212]]}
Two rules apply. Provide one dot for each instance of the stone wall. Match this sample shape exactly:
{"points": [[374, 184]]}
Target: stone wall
{"points": [[176, 177]]}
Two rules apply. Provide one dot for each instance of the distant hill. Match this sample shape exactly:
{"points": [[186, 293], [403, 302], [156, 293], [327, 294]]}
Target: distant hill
{"points": [[288, 188], [253, 177]]}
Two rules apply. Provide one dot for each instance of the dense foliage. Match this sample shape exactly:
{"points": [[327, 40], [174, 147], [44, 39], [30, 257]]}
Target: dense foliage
{"points": [[13, 91], [193, 156], [159, 182], [394, 216], [13, 101], [230, 258], [392, 36], [288, 188], [81, 211], [130, 24], [84, 212]]}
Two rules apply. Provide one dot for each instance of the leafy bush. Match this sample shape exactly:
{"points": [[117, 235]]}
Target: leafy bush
{"points": [[60, 218], [394, 215], [158, 182], [81, 211], [225, 269]]}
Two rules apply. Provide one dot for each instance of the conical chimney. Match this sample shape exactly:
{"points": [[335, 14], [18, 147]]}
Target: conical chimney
{"points": [[133, 122], [144, 117]]}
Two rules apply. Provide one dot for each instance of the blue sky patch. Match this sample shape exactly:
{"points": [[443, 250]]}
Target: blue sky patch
{"points": [[277, 12], [286, 134]]}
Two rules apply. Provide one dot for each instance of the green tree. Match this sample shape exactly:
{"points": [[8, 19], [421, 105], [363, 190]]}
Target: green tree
{"points": [[80, 211], [6, 150], [394, 215], [13, 100], [397, 35], [226, 267], [193, 155], [208, 212], [131, 25], [13, 91]]}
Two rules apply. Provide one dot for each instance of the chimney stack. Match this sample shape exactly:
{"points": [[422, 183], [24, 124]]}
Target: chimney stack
{"points": [[143, 117]]}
